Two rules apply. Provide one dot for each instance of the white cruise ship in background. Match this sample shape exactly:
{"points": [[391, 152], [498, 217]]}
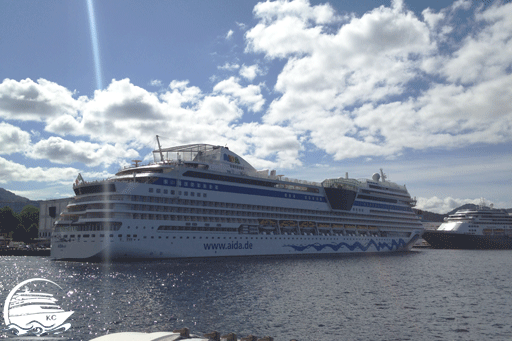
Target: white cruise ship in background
{"points": [[203, 200], [480, 228]]}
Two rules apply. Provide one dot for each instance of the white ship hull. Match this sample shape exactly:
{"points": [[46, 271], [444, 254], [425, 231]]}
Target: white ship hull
{"points": [[199, 244]]}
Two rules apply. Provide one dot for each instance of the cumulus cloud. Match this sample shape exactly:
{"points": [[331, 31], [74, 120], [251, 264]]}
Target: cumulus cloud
{"points": [[486, 55], [123, 100], [359, 82], [249, 96], [250, 72], [27, 100], [11, 171], [432, 18], [261, 143], [125, 115], [58, 150], [444, 205], [229, 35], [13, 139]]}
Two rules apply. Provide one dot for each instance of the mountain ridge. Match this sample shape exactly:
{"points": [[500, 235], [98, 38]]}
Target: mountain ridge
{"points": [[6, 195], [15, 202]]}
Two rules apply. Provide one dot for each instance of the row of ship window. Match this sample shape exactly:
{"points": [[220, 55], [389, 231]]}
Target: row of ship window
{"points": [[204, 186], [129, 236], [172, 192]]}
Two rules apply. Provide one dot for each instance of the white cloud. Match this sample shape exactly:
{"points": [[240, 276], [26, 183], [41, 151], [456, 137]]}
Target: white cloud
{"points": [[181, 94], [352, 92], [250, 72], [270, 11], [463, 4], [123, 100], [13, 139], [11, 171], [229, 35], [125, 115], [48, 192], [155, 82], [260, 142], [63, 125], [487, 54], [229, 67], [249, 96], [431, 18], [58, 150], [443, 205], [27, 100], [51, 188]]}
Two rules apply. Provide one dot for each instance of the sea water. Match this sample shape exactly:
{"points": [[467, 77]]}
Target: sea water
{"points": [[419, 295]]}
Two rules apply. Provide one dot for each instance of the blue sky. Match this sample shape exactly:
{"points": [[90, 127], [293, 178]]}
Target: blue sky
{"points": [[313, 89]]}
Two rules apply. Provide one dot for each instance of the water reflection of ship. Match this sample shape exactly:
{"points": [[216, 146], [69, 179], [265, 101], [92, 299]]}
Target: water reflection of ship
{"points": [[26, 307]]}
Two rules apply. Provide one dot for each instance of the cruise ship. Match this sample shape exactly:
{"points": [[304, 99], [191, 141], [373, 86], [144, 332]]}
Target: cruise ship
{"points": [[203, 200], [480, 228]]}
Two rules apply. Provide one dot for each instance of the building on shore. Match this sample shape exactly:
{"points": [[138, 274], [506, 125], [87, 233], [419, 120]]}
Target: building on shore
{"points": [[49, 211]]}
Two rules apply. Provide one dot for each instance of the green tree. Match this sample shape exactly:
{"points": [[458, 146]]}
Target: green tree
{"points": [[33, 232], [28, 216], [19, 233], [22, 234], [8, 220]]}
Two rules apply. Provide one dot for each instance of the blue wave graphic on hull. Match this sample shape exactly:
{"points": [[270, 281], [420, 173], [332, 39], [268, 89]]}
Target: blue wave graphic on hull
{"points": [[335, 247]]}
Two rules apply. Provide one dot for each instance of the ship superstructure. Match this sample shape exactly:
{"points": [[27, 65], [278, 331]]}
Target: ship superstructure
{"points": [[203, 200], [480, 228]]}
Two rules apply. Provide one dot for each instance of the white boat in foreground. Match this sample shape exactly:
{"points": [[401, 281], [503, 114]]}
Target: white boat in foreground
{"points": [[203, 200]]}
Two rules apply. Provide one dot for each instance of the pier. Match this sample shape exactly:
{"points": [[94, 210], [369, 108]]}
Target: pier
{"points": [[23, 251]]}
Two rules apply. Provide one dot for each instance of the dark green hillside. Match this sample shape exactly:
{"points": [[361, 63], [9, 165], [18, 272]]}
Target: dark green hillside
{"points": [[5, 195], [15, 202]]}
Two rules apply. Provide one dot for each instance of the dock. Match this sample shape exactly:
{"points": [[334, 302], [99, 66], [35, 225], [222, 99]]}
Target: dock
{"points": [[11, 251]]}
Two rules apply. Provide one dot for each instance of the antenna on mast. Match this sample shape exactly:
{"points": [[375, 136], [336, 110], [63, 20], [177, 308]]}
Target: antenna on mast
{"points": [[382, 175], [160, 149]]}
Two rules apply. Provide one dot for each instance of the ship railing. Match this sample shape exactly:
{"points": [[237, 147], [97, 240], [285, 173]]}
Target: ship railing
{"points": [[282, 178], [165, 162]]}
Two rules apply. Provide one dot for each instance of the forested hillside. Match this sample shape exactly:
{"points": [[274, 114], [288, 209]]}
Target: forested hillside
{"points": [[21, 226]]}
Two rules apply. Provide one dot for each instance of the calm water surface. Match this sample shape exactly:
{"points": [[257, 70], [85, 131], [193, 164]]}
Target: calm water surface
{"points": [[420, 295]]}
